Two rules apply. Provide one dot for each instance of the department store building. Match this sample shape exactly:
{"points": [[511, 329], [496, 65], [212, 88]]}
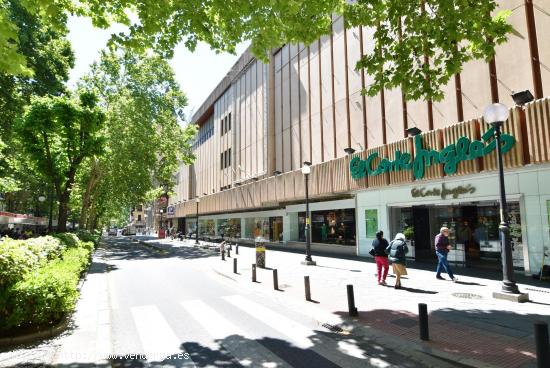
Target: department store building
{"points": [[263, 121]]}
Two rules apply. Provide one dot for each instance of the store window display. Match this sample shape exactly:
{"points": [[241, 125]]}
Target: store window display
{"points": [[330, 227]]}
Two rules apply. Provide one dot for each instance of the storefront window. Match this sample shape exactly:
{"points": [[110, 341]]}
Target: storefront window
{"points": [[474, 227], [207, 228], [330, 227], [256, 227], [229, 228], [276, 229]]}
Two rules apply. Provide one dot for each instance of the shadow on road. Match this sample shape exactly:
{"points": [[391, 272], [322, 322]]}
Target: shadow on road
{"points": [[126, 249]]}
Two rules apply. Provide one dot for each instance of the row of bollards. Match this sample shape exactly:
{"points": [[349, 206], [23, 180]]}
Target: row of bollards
{"points": [[541, 328]]}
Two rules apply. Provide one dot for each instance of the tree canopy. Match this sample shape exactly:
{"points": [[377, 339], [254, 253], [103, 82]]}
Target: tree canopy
{"points": [[144, 140], [59, 133], [419, 44]]}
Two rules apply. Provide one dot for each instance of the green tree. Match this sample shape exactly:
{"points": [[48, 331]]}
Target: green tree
{"points": [[48, 58], [448, 33], [59, 134], [144, 140]]}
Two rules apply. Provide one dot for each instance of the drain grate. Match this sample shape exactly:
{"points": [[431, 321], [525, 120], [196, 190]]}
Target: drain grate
{"points": [[332, 328], [405, 322], [467, 296]]}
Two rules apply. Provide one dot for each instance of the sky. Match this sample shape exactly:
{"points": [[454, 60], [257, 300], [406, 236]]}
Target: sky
{"points": [[198, 72]]}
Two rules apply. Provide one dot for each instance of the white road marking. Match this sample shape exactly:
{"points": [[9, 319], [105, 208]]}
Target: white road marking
{"points": [[157, 338], [298, 333], [239, 343]]}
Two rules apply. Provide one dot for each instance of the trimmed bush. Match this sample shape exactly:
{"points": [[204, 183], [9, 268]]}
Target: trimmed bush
{"points": [[87, 236], [39, 278]]}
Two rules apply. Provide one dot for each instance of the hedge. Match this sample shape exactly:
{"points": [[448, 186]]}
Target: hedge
{"points": [[39, 279]]}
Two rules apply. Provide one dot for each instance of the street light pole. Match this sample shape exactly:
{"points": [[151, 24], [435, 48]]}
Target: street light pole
{"points": [[495, 115], [306, 170], [51, 210]]}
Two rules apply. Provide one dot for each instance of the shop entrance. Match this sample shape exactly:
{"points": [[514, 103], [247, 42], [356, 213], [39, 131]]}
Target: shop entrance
{"points": [[474, 232]]}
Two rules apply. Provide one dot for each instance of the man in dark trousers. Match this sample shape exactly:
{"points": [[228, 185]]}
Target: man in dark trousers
{"points": [[442, 248]]}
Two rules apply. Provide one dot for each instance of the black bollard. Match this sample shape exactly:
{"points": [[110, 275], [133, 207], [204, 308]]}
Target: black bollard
{"points": [[275, 280], [253, 273], [423, 321], [237, 249], [351, 302], [234, 265], [307, 287], [229, 252], [223, 255], [541, 341]]}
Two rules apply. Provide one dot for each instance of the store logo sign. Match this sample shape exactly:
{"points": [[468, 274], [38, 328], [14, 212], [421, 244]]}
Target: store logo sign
{"points": [[463, 150], [442, 192]]}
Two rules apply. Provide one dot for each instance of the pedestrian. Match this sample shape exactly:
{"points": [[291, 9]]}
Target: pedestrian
{"points": [[379, 246], [397, 251], [442, 248]]}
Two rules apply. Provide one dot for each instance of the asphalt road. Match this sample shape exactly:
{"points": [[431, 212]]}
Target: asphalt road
{"points": [[170, 309]]}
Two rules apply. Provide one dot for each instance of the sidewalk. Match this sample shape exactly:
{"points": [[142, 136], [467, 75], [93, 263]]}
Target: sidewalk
{"points": [[467, 326]]}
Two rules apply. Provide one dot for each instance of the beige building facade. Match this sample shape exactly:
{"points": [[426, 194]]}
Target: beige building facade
{"points": [[264, 120]]}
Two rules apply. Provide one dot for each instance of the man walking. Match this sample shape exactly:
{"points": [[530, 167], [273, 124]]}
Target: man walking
{"points": [[442, 248]]}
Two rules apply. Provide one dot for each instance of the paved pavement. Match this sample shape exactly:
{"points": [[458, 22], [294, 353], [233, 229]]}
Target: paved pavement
{"points": [[142, 306], [467, 326]]}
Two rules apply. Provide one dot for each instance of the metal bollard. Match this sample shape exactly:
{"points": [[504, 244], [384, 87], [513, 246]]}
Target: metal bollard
{"points": [[351, 302], [275, 280], [307, 288], [423, 321], [254, 273], [234, 265], [229, 252], [542, 344], [223, 255], [237, 249]]}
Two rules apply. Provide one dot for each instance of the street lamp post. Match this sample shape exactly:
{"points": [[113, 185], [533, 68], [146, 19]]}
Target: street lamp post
{"points": [[160, 221], [306, 170], [495, 115], [197, 229], [41, 199]]}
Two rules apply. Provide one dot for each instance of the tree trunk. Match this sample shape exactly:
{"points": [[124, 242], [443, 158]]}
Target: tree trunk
{"points": [[95, 175], [63, 211]]}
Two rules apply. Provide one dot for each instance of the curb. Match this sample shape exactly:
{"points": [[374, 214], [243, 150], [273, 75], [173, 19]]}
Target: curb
{"points": [[51, 331]]}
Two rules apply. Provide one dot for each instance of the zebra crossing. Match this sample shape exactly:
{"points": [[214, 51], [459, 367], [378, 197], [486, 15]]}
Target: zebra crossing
{"points": [[240, 332]]}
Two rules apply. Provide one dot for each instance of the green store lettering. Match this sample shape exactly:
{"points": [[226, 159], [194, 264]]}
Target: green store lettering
{"points": [[463, 150]]}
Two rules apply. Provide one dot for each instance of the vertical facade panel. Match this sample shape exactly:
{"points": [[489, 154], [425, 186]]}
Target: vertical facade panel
{"points": [[278, 114], [476, 88], [542, 21], [304, 105], [357, 132], [357, 184], [451, 134], [513, 53], [382, 179], [340, 178], [403, 146], [445, 111], [285, 88], [395, 129], [315, 91], [295, 111], [538, 130], [514, 157], [253, 120], [326, 98], [340, 88], [432, 140], [417, 115]]}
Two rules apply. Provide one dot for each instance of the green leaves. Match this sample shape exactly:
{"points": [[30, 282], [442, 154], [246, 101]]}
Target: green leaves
{"points": [[419, 45]]}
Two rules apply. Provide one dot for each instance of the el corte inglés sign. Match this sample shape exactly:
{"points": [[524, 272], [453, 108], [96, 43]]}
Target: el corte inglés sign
{"points": [[463, 150], [442, 192]]}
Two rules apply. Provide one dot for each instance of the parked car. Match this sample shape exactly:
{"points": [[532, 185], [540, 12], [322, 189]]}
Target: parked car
{"points": [[112, 232]]}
